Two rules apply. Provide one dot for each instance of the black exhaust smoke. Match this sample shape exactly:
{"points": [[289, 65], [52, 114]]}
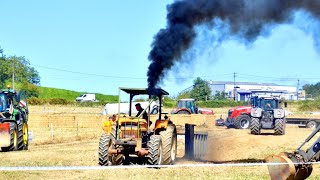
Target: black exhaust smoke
{"points": [[246, 19]]}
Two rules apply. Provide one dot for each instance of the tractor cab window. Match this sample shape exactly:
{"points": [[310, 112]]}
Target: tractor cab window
{"points": [[190, 106], [269, 104], [3, 103], [182, 104]]}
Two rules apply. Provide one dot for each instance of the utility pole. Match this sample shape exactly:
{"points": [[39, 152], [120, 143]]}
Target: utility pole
{"points": [[13, 74], [234, 86], [298, 90]]}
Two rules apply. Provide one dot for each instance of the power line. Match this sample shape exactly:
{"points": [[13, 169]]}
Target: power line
{"points": [[88, 74], [120, 77]]}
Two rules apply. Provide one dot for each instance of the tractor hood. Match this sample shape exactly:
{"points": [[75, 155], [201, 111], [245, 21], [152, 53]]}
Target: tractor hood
{"points": [[205, 111], [240, 108]]}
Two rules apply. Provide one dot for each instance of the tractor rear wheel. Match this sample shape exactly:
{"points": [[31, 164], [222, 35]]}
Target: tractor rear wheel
{"points": [[23, 135], [255, 126], [104, 158], [169, 144], [13, 138], [154, 156], [279, 127], [183, 112], [242, 122]]}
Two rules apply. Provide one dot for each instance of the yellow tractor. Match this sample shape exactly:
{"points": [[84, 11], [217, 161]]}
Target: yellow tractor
{"points": [[128, 139]]}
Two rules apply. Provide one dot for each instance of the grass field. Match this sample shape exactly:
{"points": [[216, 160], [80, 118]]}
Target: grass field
{"points": [[49, 93], [69, 136]]}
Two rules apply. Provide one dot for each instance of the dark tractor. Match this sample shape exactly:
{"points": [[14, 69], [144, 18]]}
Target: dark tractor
{"points": [[266, 114], [13, 120], [190, 106]]}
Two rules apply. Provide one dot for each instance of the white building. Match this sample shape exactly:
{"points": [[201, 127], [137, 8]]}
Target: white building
{"points": [[242, 91]]}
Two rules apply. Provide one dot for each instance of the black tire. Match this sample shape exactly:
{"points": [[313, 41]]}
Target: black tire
{"points": [[242, 122], [155, 153], [255, 126], [13, 138], [312, 124], [154, 111], [26, 136], [104, 144], [279, 127], [169, 145], [183, 112], [23, 143]]}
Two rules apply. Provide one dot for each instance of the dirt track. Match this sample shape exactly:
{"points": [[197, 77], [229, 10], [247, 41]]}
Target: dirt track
{"points": [[71, 149]]}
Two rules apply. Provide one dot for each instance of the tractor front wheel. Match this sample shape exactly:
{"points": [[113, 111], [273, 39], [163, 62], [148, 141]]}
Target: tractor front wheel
{"points": [[104, 158], [23, 136], [154, 156], [169, 144], [279, 127], [255, 126]]}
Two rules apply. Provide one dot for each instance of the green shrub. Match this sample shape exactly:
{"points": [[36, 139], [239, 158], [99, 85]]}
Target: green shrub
{"points": [[58, 101], [36, 101], [309, 105], [221, 103]]}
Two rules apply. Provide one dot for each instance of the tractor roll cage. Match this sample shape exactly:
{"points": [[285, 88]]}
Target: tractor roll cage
{"points": [[157, 92]]}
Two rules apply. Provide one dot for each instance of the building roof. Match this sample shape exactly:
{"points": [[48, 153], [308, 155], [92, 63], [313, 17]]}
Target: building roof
{"points": [[241, 83]]}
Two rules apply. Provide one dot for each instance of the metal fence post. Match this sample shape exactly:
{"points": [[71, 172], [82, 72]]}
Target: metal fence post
{"points": [[189, 140]]}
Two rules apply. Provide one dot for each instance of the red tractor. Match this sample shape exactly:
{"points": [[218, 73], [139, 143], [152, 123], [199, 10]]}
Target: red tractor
{"points": [[190, 106], [239, 117]]}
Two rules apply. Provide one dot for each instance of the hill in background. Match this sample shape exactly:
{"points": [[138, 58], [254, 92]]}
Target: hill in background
{"points": [[54, 93]]}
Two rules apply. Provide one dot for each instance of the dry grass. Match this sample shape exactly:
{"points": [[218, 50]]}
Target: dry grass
{"points": [[78, 147]]}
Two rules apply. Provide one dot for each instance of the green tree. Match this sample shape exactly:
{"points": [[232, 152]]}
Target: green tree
{"points": [[22, 70], [184, 95], [201, 90], [313, 89], [220, 95], [25, 77]]}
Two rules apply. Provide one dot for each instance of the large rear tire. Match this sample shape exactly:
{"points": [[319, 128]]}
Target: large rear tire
{"points": [[279, 127], [154, 156], [255, 126], [183, 112], [13, 138], [242, 122], [169, 144]]}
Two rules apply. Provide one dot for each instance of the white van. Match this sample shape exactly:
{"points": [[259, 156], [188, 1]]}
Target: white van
{"points": [[86, 98]]}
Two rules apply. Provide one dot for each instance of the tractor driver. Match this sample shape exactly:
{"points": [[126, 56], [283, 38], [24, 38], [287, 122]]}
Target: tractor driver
{"points": [[268, 106], [140, 110]]}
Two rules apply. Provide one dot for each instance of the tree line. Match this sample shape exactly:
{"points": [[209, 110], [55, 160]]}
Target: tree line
{"points": [[313, 90], [25, 77]]}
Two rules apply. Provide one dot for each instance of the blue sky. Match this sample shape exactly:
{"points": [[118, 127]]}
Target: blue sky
{"points": [[98, 46]]}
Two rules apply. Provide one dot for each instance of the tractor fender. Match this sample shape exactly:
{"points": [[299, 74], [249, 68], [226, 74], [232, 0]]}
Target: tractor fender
{"points": [[278, 113], [256, 112], [161, 125]]}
